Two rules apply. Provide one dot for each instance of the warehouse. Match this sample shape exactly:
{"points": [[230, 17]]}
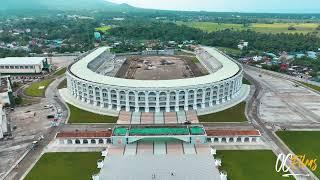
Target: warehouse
{"points": [[24, 65]]}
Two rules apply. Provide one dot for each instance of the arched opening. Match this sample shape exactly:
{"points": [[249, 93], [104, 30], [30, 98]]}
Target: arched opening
{"points": [[77, 141], [223, 140], [85, 141], [93, 141], [239, 139], [246, 139], [231, 140], [100, 141], [69, 141]]}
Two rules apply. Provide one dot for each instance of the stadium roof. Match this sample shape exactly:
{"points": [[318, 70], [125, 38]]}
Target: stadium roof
{"points": [[228, 70], [21, 60]]}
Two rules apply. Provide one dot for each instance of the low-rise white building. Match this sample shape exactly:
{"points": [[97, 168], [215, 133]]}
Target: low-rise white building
{"points": [[23, 65], [5, 90], [3, 122]]}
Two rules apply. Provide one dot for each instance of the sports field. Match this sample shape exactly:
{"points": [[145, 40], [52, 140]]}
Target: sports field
{"points": [[73, 165], [250, 165], [303, 143], [258, 27]]}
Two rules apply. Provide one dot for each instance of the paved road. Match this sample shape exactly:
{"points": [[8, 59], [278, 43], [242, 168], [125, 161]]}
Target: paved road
{"points": [[253, 113], [52, 97]]}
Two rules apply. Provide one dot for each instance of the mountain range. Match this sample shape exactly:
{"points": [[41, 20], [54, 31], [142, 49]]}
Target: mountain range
{"points": [[63, 5]]}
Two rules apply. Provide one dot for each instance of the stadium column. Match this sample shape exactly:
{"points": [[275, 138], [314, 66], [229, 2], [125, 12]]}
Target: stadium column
{"points": [[147, 102], [177, 101], [186, 100], [168, 102], [109, 100], [229, 93], [195, 100], [94, 96], [136, 101], [118, 100], [101, 98], [203, 103], [224, 93], [87, 96], [218, 95], [157, 101], [127, 101], [211, 97], [233, 88]]}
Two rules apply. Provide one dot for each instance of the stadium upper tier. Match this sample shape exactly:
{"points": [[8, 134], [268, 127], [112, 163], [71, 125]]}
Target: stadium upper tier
{"points": [[225, 69]]}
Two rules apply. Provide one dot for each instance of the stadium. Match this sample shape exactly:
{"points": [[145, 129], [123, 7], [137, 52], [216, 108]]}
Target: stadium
{"points": [[154, 81]]}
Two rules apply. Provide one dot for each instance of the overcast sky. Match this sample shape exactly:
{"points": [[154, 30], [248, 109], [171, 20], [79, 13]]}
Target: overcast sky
{"points": [[283, 6]]}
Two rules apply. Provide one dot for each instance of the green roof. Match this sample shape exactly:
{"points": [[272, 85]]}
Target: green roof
{"points": [[196, 130], [120, 131], [159, 131]]}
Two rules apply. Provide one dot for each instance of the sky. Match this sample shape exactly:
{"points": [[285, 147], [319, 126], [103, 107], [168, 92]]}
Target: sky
{"points": [[281, 6]]}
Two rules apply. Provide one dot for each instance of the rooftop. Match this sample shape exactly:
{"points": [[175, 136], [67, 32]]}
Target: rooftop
{"points": [[228, 70], [224, 132], [82, 134], [21, 60]]}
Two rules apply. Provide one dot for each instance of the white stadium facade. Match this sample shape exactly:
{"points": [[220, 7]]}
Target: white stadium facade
{"points": [[87, 88]]}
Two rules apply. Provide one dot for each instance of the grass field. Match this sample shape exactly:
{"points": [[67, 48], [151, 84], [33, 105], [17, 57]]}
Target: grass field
{"points": [[230, 51], [258, 27], [303, 143], [63, 84], [103, 29], [33, 89], [250, 165], [65, 166], [246, 81], [81, 116], [60, 72], [317, 88], [234, 114]]}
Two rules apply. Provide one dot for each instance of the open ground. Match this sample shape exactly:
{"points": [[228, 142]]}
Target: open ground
{"points": [[258, 27], [160, 68]]}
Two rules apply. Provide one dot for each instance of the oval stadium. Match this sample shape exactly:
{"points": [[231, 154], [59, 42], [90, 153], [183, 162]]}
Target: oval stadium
{"points": [[205, 80]]}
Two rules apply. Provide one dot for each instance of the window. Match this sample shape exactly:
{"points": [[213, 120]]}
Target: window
{"points": [[11, 67], [1, 67], [16, 67]]}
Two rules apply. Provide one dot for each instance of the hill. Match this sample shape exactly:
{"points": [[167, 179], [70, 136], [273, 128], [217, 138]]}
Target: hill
{"points": [[63, 5]]}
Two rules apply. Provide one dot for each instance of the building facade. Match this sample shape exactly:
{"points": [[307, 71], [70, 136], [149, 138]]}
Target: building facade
{"points": [[117, 94], [23, 65], [3, 122]]}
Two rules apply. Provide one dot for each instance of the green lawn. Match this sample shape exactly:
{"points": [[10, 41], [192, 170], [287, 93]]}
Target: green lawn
{"points": [[317, 88], [60, 71], [33, 89], [63, 84], [303, 143], [81, 116], [250, 165], [65, 166], [246, 81], [233, 114], [258, 27], [231, 51]]}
